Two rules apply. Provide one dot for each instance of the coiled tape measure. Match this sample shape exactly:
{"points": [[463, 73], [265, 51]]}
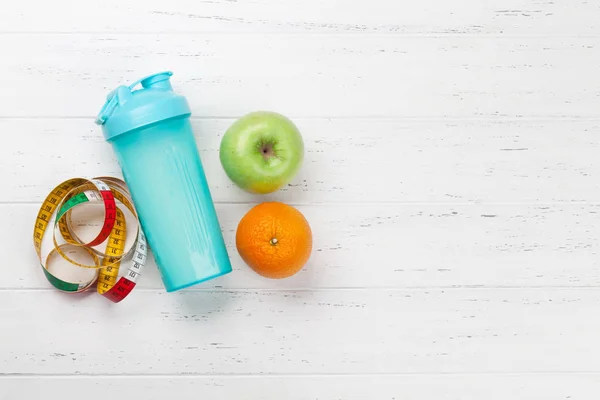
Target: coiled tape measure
{"points": [[55, 214]]}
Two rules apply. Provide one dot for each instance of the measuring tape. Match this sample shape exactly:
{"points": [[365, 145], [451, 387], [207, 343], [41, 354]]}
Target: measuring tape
{"points": [[55, 213]]}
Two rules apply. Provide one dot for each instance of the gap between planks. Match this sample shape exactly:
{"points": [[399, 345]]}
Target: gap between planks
{"points": [[381, 203], [220, 289], [488, 118], [242, 375], [440, 35]]}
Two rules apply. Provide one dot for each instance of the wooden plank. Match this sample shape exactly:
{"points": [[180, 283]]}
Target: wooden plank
{"points": [[302, 332], [337, 16], [347, 160], [308, 75], [389, 246], [355, 387]]}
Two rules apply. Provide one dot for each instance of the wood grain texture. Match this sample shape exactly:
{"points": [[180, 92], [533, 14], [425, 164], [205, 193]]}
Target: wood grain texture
{"points": [[347, 161], [309, 16], [308, 332], [389, 246], [451, 181], [308, 75], [315, 387]]}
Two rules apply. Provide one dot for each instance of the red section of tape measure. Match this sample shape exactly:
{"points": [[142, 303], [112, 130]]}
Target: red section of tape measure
{"points": [[109, 220], [120, 290]]}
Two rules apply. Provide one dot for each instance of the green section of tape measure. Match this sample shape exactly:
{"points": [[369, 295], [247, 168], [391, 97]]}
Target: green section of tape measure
{"points": [[75, 200], [59, 284]]}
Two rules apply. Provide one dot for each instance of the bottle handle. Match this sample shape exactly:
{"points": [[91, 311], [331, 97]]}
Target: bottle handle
{"points": [[159, 80]]}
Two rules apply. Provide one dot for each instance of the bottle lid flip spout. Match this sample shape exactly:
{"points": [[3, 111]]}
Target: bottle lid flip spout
{"points": [[127, 108]]}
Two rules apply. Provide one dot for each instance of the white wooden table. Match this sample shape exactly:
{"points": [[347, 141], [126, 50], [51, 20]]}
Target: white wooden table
{"points": [[452, 181]]}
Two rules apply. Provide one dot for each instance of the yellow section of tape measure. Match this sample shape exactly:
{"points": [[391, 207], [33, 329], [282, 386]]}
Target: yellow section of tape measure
{"points": [[108, 274], [49, 205]]}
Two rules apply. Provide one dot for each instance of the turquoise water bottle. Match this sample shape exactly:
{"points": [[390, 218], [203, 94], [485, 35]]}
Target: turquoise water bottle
{"points": [[149, 129]]}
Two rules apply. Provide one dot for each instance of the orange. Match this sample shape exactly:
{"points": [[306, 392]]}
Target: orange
{"points": [[274, 239]]}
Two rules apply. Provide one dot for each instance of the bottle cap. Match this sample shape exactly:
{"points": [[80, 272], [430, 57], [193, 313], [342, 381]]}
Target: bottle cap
{"points": [[128, 108]]}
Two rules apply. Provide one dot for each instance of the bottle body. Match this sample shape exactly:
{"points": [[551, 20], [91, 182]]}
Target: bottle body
{"points": [[162, 168]]}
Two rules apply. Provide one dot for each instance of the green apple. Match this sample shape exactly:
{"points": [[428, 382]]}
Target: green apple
{"points": [[262, 151]]}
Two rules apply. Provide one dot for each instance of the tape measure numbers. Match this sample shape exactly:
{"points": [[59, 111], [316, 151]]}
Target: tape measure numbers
{"points": [[55, 214]]}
